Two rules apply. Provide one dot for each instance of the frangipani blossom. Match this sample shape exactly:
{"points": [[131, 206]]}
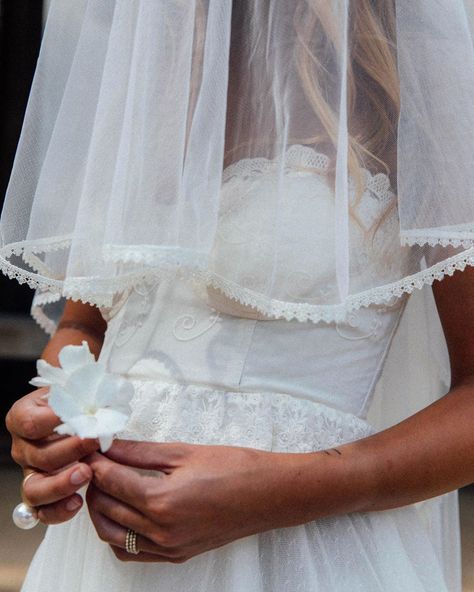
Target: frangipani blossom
{"points": [[91, 402]]}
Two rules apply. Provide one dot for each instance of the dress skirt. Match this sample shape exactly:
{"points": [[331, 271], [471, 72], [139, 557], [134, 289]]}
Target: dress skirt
{"points": [[386, 551]]}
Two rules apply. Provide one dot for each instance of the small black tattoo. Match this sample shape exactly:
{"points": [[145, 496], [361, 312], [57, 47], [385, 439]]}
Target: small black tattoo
{"points": [[328, 452]]}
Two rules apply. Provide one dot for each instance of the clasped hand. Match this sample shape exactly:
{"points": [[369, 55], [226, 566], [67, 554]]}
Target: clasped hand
{"points": [[197, 498], [200, 498]]}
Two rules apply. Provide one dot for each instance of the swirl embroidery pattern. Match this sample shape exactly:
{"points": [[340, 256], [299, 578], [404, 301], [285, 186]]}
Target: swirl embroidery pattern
{"points": [[188, 327]]}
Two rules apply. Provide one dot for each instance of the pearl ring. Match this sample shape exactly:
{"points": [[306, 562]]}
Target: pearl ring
{"points": [[25, 516]]}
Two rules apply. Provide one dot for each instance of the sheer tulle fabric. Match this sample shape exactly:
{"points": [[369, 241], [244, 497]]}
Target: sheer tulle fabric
{"points": [[300, 559], [154, 128], [387, 551]]}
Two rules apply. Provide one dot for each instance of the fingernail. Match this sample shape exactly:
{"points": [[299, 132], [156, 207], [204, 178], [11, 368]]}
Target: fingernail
{"points": [[79, 477], [73, 504]]}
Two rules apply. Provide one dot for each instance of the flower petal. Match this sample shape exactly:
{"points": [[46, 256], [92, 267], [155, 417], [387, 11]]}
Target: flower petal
{"points": [[85, 426], [64, 429], [63, 404], [50, 374], [39, 382], [72, 357], [116, 393], [124, 396], [110, 421], [105, 442], [82, 383]]}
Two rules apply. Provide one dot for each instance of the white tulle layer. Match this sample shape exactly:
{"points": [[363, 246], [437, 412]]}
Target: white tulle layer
{"points": [[361, 552]]}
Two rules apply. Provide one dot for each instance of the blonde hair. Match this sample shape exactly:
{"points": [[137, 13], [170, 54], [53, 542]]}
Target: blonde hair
{"points": [[372, 81]]}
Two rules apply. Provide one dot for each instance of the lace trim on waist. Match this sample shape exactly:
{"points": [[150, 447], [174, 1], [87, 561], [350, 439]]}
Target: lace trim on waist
{"points": [[265, 420]]}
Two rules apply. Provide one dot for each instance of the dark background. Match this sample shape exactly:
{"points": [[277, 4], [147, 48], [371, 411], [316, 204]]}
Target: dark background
{"points": [[20, 35]]}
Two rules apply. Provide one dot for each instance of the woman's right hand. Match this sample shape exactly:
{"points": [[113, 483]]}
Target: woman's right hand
{"points": [[56, 459]]}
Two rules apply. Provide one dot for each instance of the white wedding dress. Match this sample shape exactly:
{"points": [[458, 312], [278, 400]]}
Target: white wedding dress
{"points": [[209, 370]]}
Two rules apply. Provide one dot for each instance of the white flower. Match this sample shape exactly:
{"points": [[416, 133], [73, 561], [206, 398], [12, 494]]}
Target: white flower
{"points": [[91, 402]]}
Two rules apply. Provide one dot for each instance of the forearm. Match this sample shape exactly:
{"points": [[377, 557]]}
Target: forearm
{"points": [[429, 454], [80, 322], [426, 455]]}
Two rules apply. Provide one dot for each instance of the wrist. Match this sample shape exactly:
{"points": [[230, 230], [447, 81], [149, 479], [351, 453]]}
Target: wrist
{"points": [[325, 483], [72, 333], [89, 332]]}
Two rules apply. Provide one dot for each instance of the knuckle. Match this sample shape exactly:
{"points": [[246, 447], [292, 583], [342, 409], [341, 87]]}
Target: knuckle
{"points": [[158, 538], [149, 502], [37, 458], [102, 535], [12, 417], [83, 448], [169, 540], [28, 426], [102, 473], [159, 506], [9, 422], [17, 453]]}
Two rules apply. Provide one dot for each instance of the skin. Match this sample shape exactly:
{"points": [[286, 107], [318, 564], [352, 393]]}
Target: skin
{"points": [[30, 422], [203, 497]]}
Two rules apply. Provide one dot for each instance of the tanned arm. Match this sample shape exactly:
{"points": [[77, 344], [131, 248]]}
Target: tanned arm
{"points": [[428, 454], [79, 322]]}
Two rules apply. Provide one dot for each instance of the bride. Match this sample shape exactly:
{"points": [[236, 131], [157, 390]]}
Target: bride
{"points": [[232, 204]]}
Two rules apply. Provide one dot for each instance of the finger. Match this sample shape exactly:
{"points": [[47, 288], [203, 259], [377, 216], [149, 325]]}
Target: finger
{"points": [[121, 482], [50, 456], [31, 418], [148, 455], [115, 533], [61, 511], [143, 557], [117, 511], [42, 489]]}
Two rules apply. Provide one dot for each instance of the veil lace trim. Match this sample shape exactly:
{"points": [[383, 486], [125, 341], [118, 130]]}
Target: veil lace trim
{"points": [[86, 291], [137, 264]]}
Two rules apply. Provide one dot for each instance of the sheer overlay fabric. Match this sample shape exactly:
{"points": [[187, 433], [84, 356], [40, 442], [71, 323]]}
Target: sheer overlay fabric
{"points": [[153, 127]]}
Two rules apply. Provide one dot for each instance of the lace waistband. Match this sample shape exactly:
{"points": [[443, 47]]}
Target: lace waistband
{"points": [[265, 420]]}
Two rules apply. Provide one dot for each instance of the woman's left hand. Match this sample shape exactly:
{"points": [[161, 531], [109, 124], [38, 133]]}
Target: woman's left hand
{"points": [[202, 497]]}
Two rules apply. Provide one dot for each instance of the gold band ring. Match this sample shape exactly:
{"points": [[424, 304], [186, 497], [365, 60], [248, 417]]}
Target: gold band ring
{"points": [[25, 479], [131, 542]]}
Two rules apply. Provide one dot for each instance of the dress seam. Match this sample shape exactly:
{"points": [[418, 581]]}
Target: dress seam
{"points": [[362, 412], [249, 345]]}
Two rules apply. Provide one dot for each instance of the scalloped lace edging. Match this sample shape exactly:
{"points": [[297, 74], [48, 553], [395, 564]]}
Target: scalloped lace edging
{"points": [[337, 312], [101, 292], [40, 245], [42, 319], [40, 300], [297, 156], [433, 240]]}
